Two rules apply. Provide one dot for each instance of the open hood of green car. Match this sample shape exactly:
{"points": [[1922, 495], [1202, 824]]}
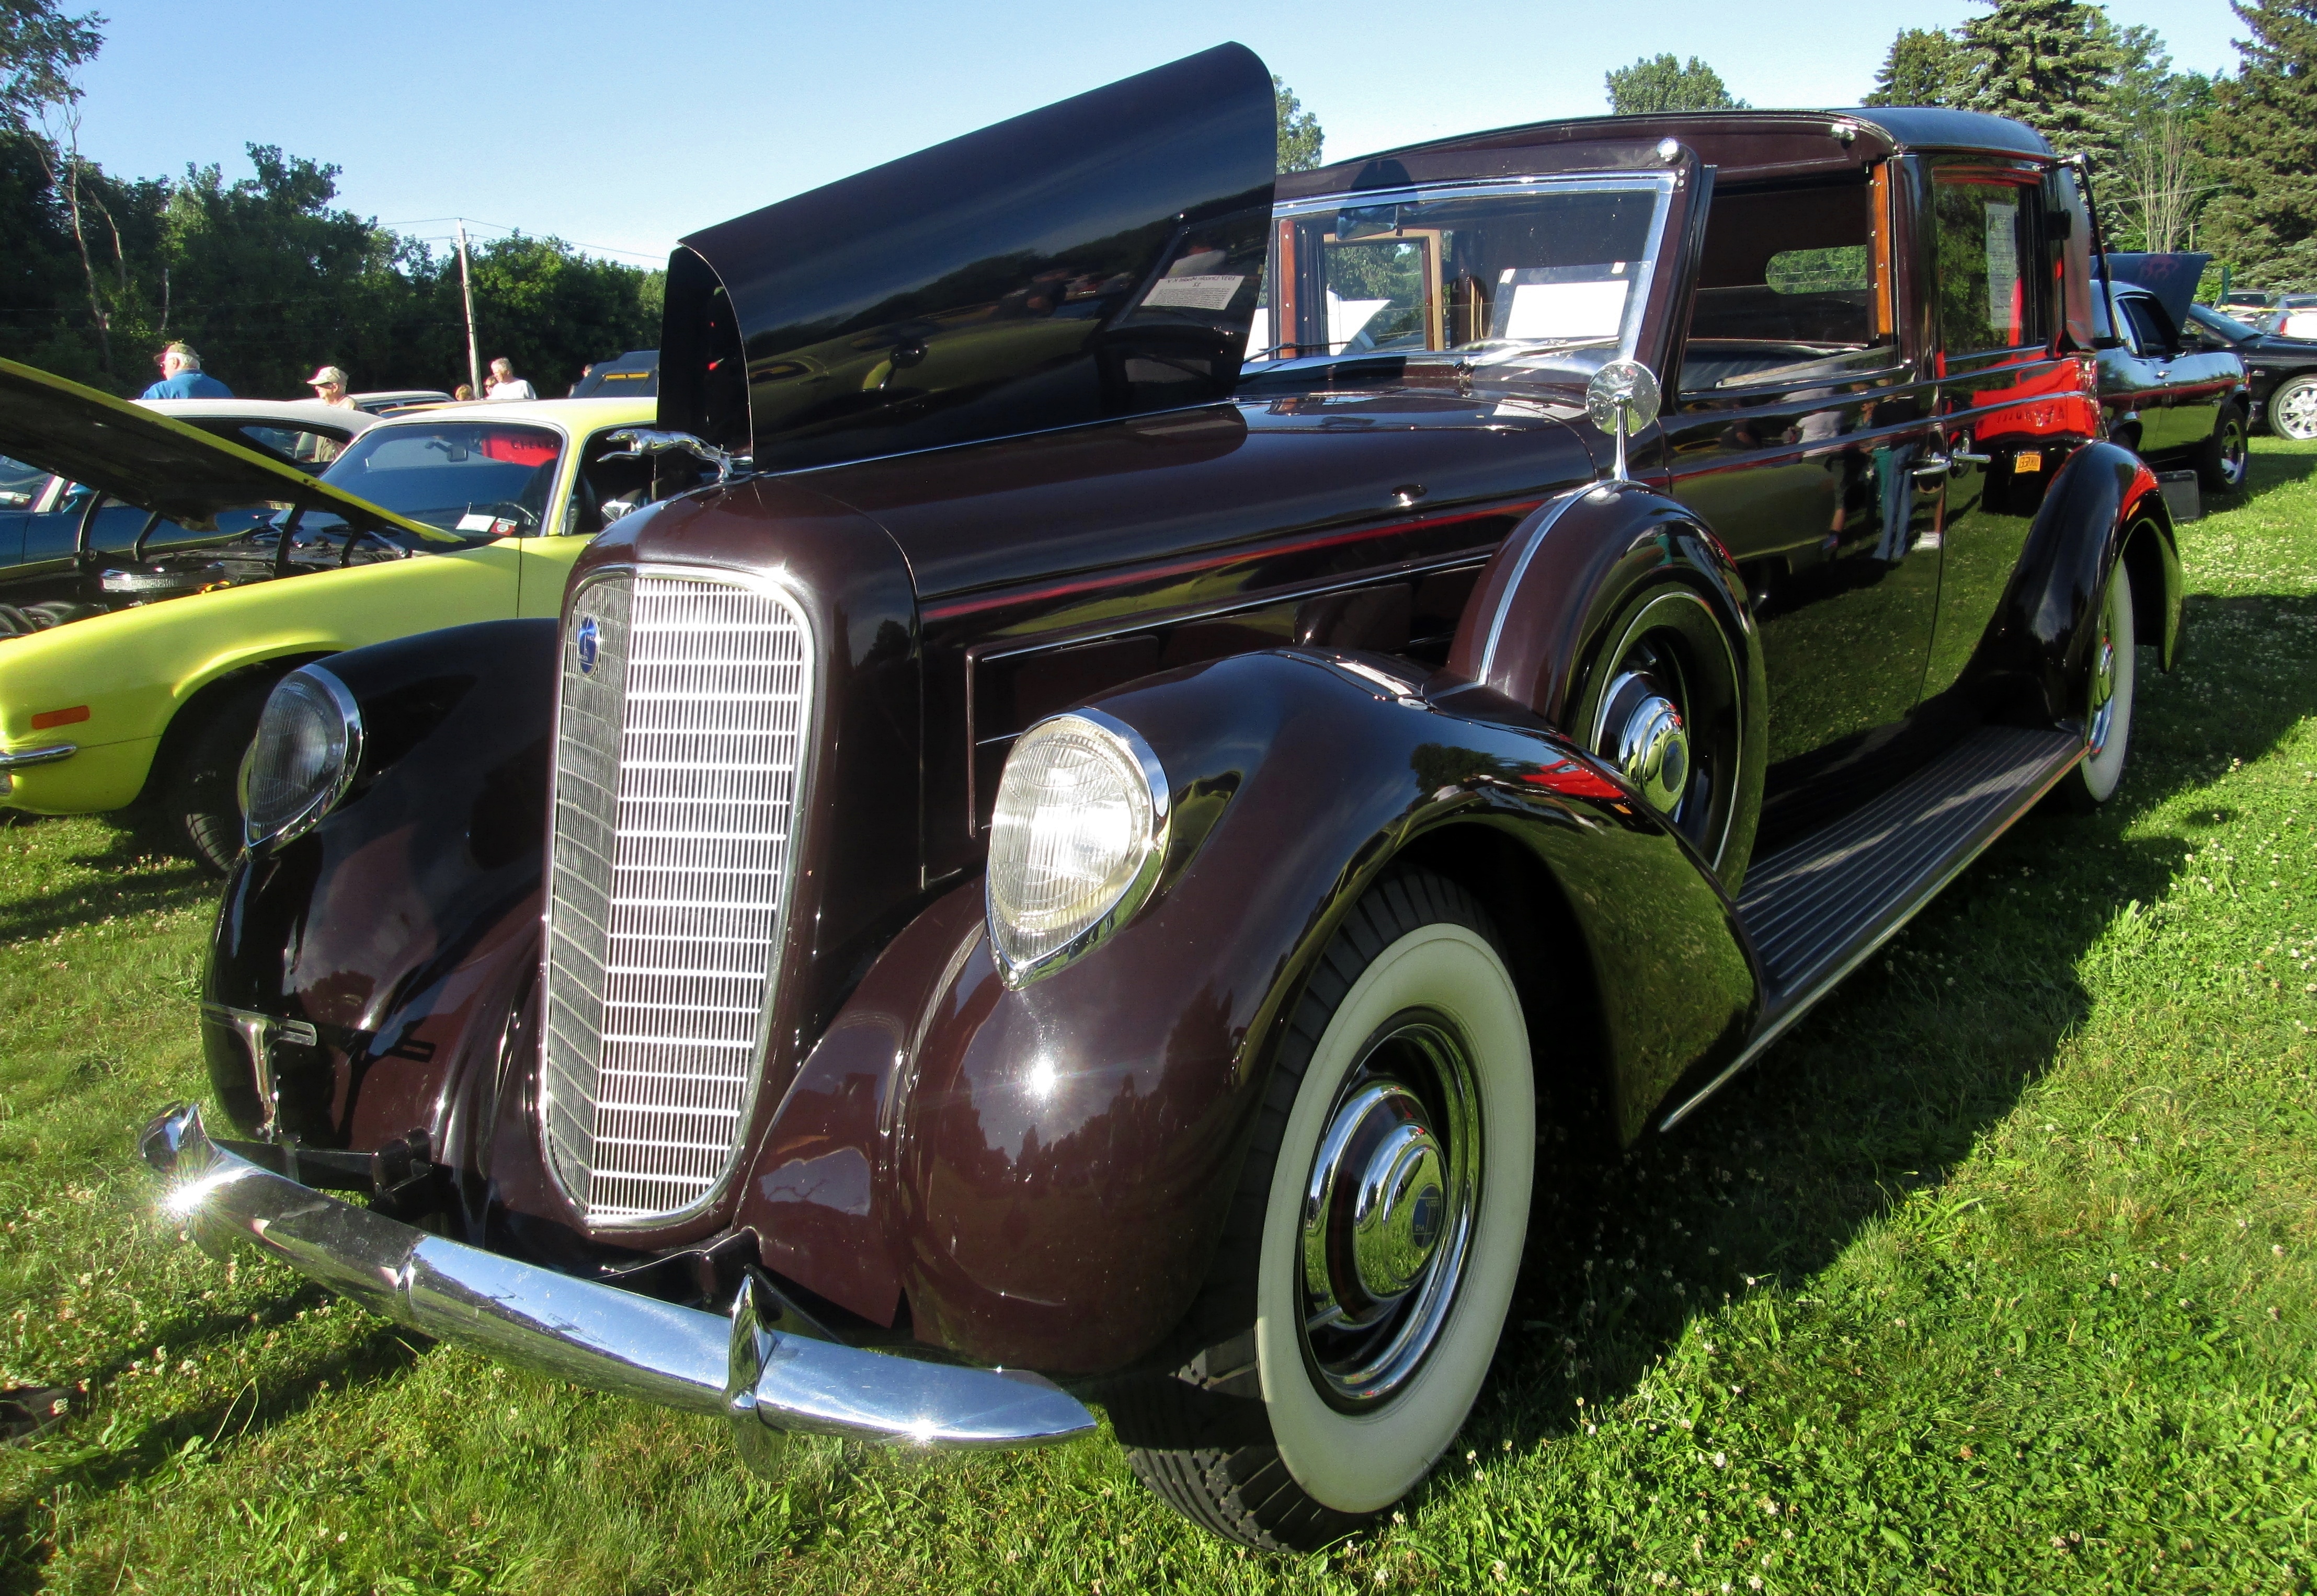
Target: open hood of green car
{"points": [[143, 458]]}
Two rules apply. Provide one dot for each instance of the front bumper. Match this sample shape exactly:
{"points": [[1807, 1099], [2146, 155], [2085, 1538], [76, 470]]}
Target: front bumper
{"points": [[765, 1382]]}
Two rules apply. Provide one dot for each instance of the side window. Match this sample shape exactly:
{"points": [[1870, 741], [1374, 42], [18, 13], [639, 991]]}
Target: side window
{"points": [[1794, 284], [1989, 296], [607, 489], [301, 446], [2151, 329], [19, 484]]}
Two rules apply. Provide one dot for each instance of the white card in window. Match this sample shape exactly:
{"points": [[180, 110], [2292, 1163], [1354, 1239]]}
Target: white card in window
{"points": [[474, 522], [1567, 309], [1195, 292], [2002, 263], [1345, 317]]}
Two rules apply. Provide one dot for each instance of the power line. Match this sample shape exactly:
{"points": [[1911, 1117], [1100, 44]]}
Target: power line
{"points": [[504, 227]]}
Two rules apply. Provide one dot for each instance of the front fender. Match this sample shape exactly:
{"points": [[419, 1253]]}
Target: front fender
{"points": [[1054, 1167], [408, 903], [2104, 504]]}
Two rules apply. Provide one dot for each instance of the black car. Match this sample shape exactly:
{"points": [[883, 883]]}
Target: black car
{"points": [[2280, 373], [2173, 398], [632, 375]]}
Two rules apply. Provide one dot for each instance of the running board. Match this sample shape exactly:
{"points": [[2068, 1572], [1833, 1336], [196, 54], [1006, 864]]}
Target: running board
{"points": [[1817, 909]]}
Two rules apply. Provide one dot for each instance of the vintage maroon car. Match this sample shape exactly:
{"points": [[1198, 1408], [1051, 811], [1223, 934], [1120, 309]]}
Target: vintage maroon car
{"points": [[1073, 869]]}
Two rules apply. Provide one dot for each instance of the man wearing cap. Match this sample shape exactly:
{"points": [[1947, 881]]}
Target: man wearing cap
{"points": [[182, 377], [329, 386]]}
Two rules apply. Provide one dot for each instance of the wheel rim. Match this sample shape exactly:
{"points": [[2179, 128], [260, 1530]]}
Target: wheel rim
{"points": [[1668, 719], [2232, 451], [1387, 1211], [2295, 412], [2107, 706]]}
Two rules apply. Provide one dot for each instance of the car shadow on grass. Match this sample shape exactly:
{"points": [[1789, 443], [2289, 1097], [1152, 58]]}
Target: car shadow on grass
{"points": [[134, 879], [1887, 1086]]}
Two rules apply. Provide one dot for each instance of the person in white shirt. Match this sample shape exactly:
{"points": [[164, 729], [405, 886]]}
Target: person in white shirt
{"points": [[504, 384]]}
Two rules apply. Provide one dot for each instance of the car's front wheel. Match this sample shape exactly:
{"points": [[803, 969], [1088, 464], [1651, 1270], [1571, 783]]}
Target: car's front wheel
{"points": [[1365, 1274], [2221, 465], [2293, 409], [197, 810], [2108, 688]]}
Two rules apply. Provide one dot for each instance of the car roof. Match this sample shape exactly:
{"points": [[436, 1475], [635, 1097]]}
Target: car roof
{"points": [[1743, 145], [573, 416], [286, 411]]}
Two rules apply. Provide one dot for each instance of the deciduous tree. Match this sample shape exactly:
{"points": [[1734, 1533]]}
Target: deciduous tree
{"points": [[1300, 138], [1663, 83]]}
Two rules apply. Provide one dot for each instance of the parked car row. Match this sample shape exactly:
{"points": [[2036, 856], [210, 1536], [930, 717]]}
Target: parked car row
{"points": [[1149, 763], [143, 615]]}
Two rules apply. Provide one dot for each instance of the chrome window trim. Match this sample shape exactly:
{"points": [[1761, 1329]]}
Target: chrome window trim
{"points": [[808, 726]]}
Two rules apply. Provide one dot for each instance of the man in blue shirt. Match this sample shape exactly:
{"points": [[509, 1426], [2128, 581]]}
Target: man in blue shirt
{"points": [[182, 377]]}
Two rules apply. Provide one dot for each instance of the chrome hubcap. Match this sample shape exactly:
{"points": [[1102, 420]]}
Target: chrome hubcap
{"points": [[2102, 705], [2296, 416], [1651, 744], [1388, 1211]]}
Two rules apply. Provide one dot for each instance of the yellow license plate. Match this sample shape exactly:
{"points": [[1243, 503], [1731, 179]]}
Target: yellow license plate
{"points": [[2028, 460]]}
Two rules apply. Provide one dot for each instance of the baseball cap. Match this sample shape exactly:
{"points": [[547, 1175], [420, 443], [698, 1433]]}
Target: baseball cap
{"points": [[327, 374]]}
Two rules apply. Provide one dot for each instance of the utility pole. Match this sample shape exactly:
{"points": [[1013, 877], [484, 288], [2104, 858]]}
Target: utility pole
{"points": [[467, 293]]}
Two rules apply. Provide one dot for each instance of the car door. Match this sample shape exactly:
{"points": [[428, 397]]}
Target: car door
{"points": [[2207, 373], [2132, 371], [1797, 433], [2011, 406], [2170, 422]]}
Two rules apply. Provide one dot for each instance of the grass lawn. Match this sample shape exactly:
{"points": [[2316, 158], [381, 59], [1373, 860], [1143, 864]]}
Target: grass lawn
{"points": [[1995, 1276]]}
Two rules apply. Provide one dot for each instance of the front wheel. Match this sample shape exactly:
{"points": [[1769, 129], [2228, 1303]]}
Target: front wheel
{"points": [[2222, 462], [2293, 409], [197, 812], [1365, 1272], [2107, 700]]}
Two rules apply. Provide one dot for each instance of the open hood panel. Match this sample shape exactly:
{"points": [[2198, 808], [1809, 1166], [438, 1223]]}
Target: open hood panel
{"points": [[1096, 258], [2171, 278], [153, 461]]}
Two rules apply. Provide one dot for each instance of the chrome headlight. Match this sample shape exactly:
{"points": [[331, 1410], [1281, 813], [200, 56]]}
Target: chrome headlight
{"points": [[308, 743], [1076, 843]]}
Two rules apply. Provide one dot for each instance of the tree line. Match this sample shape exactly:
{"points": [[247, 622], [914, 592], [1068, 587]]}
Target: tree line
{"points": [[2225, 163], [261, 274]]}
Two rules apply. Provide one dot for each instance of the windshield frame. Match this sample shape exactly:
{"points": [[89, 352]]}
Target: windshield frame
{"points": [[1265, 340], [443, 540]]}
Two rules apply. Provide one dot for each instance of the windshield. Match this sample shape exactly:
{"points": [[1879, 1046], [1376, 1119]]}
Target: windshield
{"points": [[479, 479], [1546, 274]]}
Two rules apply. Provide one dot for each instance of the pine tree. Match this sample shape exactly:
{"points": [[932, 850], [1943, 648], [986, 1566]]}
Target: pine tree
{"points": [[2046, 63], [2264, 136], [1663, 83], [1925, 68], [1300, 138]]}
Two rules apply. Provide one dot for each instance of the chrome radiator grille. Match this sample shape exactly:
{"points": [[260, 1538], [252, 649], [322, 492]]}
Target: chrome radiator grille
{"points": [[686, 710]]}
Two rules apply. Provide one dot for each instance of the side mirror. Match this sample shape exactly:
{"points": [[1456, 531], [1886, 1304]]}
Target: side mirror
{"points": [[1621, 398]]}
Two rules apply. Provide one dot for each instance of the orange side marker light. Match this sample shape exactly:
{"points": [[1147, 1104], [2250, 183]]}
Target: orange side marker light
{"points": [[48, 718]]}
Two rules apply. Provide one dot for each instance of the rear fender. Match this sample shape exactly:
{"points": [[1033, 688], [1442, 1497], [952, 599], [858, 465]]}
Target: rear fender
{"points": [[1537, 622], [1053, 1172], [2104, 504]]}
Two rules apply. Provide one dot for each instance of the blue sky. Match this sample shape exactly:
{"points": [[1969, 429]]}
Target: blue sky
{"points": [[621, 127]]}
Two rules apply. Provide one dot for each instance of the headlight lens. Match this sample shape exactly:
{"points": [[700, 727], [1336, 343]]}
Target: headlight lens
{"points": [[1076, 842], [308, 743]]}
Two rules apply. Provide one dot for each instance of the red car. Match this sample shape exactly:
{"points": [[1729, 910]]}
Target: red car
{"points": [[1187, 715]]}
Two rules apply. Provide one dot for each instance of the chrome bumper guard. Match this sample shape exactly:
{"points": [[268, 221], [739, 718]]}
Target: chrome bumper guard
{"points": [[763, 1382]]}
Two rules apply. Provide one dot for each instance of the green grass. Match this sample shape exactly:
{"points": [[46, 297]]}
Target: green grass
{"points": [[1996, 1276]]}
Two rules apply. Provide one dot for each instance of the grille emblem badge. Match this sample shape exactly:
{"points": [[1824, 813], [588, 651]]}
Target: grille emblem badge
{"points": [[590, 640]]}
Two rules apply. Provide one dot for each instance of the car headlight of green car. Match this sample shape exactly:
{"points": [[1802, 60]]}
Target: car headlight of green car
{"points": [[309, 743]]}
